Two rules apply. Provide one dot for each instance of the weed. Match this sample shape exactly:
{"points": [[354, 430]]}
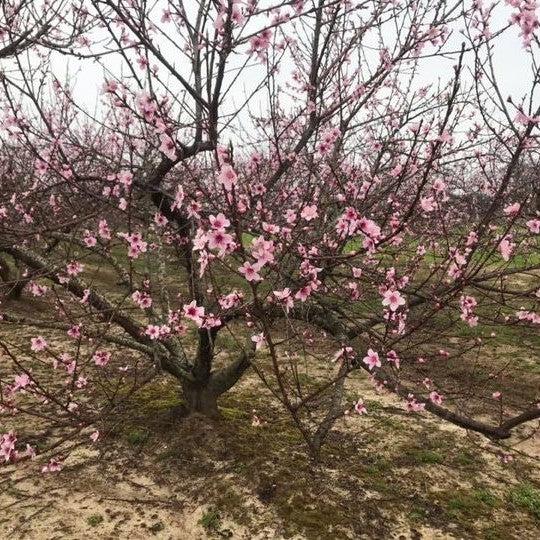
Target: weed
{"points": [[527, 497], [94, 520]]}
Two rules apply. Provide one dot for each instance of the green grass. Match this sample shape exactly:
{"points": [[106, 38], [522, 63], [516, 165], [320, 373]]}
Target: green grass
{"points": [[526, 497], [426, 457], [465, 459], [211, 522], [137, 436], [471, 504], [94, 520]]}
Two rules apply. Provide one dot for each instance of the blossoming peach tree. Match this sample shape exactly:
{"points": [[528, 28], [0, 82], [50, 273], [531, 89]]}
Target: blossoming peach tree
{"points": [[280, 187]]}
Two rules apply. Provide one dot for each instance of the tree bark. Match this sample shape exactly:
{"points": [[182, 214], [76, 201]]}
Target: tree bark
{"points": [[200, 398]]}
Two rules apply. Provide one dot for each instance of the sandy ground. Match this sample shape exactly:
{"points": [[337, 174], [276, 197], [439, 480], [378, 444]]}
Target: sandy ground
{"points": [[111, 495]]}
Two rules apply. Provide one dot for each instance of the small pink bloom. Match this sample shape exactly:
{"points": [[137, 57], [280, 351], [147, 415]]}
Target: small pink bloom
{"points": [[372, 359], [167, 146], [359, 407], [250, 272], [160, 220], [219, 222], [101, 358], [393, 299], [194, 312], [506, 247], [309, 212], [393, 358], [54, 465], [512, 209], [259, 340], [152, 331], [228, 177], [73, 268], [534, 226], [38, 344]]}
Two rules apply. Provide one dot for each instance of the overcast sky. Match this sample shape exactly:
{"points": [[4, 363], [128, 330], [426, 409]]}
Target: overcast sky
{"points": [[511, 64]]}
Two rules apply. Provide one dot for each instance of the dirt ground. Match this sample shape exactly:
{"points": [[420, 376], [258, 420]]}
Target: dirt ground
{"points": [[384, 475]]}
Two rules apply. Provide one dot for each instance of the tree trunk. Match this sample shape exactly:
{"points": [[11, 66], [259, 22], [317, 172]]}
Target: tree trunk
{"points": [[15, 291], [13, 282], [200, 399]]}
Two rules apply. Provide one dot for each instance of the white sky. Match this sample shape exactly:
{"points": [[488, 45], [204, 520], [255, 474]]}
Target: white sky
{"points": [[512, 65]]}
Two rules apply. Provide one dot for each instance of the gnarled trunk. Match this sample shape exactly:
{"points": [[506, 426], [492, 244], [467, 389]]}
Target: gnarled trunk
{"points": [[201, 395], [200, 398]]}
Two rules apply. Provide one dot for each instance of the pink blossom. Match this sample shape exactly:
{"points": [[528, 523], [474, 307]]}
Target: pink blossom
{"points": [[103, 230], [427, 204], [160, 220], [218, 239], [54, 465], [194, 312], [303, 293], [219, 222], [413, 405], [89, 239], [372, 359], [38, 290], [21, 381], [393, 299], [506, 246], [110, 87], [534, 226], [359, 407], [136, 244], [227, 177], [75, 331], [231, 300], [125, 178], [309, 212], [167, 146], [73, 268], [7, 446], [101, 358], [153, 331], [142, 299], [285, 297], [250, 272], [393, 358], [468, 303], [512, 209], [369, 228], [38, 344], [262, 250]]}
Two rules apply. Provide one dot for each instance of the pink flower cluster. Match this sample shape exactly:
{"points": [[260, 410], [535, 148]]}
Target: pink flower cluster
{"points": [[350, 223], [142, 299], [8, 451], [526, 18], [468, 303], [136, 244], [529, 316], [263, 252], [413, 405], [328, 140]]}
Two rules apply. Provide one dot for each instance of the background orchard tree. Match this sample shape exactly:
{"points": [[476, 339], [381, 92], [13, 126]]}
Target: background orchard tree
{"points": [[273, 186]]}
